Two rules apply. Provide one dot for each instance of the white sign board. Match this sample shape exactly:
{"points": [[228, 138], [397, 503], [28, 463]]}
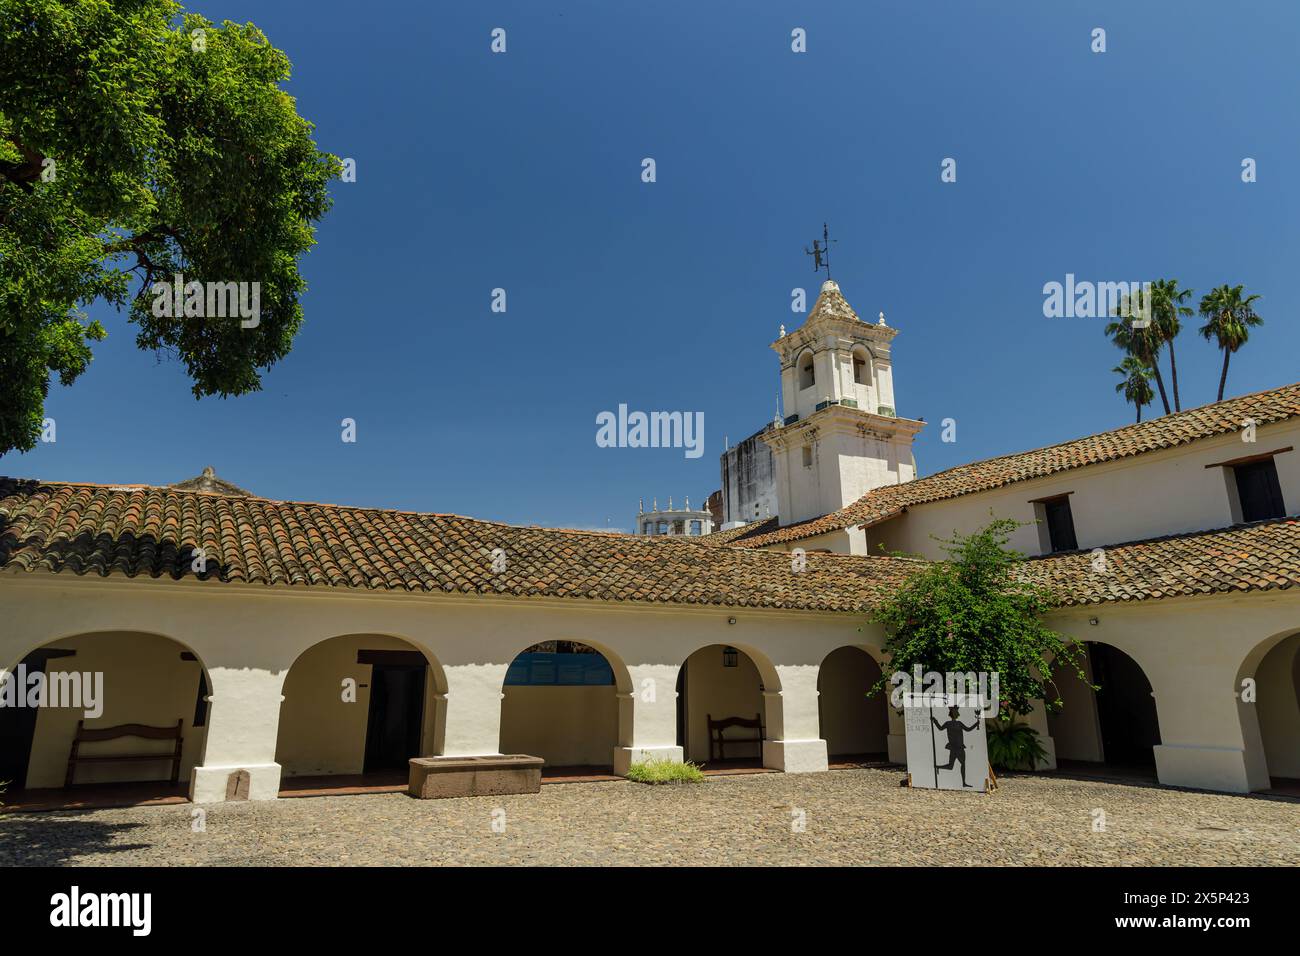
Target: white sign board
{"points": [[946, 746]]}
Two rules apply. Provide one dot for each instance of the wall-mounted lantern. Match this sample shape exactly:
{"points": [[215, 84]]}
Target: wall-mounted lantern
{"points": [[730, 657]]}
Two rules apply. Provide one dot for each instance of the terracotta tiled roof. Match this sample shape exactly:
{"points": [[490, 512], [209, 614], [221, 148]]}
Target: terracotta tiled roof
{"points": [[1255, 557], [1168, 432], [745, 530], [143, 531]]}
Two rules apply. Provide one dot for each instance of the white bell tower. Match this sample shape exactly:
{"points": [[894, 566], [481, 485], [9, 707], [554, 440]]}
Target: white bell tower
{"points": [[840, 437]]}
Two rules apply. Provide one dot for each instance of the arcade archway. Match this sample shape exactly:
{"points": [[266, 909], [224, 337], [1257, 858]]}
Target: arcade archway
{"points": [[1115, 726], [359, 704], [560, 702], [854, 725]]}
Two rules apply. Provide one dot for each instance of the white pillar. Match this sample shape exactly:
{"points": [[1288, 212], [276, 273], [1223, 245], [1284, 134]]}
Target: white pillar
{"points": [[1202, 739], [243, 723], [794, 742], [648, 717], [473, 718]]}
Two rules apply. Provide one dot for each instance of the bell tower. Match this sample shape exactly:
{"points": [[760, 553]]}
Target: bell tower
{"points": [[840, 436]]}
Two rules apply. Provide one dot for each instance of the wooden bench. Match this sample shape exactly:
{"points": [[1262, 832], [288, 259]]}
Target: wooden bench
{"points": [[83, 735], [718, 742]]}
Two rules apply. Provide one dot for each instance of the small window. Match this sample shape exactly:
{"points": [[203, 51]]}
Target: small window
{"points": [[697, 527], [1060, 524], [562, 663], [860, 370], [1258, 490], [807, 377], [807, 456]]}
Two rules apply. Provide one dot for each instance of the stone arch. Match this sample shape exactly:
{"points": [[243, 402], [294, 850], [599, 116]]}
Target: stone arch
{"points": [[559, 704], [126, 676], [1118, 725], [727, 680], [360, 703], [805, 370], [861, 359], [853, 725], [1271, 722]]}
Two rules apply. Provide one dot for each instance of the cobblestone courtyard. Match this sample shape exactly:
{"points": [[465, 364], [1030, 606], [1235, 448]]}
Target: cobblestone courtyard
{"points": [[849, 817]]}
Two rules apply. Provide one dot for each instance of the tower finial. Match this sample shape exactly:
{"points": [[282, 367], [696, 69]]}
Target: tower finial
{"points": [[821, 252]]}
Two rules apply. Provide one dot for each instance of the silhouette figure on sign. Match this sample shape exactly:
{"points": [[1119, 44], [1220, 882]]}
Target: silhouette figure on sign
{"points": [[956, 742]]}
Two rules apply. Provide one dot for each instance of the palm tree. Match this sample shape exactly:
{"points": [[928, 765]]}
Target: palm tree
{"points": [[1229, 319], [1141, 343], [1137, 382], [1167, 311]]}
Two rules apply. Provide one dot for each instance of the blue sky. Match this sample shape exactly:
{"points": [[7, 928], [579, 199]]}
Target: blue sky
{"points": [[522, 171]]}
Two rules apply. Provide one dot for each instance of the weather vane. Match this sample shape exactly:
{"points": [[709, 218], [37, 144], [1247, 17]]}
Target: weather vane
{"points": [[821, 252]]}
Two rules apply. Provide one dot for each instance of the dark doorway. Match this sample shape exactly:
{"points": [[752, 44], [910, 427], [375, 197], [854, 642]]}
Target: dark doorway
{"points": [[1125, 708], [18, 724], [396, 715]]}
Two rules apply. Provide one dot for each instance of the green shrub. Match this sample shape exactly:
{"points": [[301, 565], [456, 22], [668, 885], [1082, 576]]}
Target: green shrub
{"points": [[664, 771], [1014, 746], [976, 612]]}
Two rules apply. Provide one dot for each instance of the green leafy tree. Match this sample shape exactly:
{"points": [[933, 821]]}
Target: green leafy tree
{"points": [[1142, 343], [1137, 383], [1229, 318], [973, 612], [137, 143], [1168, 309]]}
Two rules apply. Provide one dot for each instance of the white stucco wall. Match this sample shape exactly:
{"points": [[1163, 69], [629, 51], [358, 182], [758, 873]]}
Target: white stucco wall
{"points": [[1149, 495], [248, 637], [566, 726], [1192, 650]]}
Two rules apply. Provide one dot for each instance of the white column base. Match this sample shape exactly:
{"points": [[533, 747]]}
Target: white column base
{"points": [[624, 757], [209, 784], [1205, 768], [795, 756]]}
